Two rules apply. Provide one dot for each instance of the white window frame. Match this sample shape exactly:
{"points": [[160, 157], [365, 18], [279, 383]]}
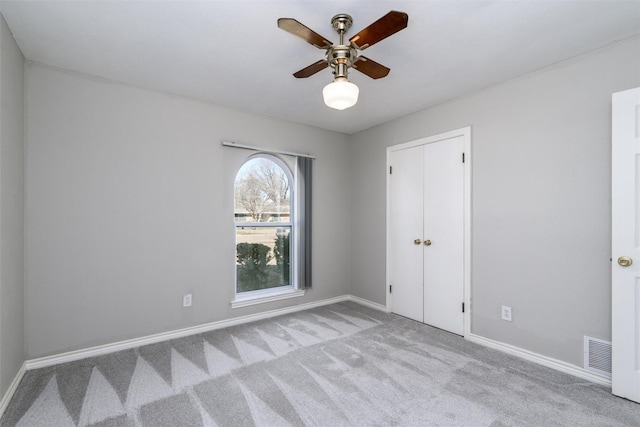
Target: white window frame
{"points": [[259, 296]]}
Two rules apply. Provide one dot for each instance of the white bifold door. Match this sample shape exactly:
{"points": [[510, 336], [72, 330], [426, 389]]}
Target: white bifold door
{"points": [[625, 270], [426, 230]]}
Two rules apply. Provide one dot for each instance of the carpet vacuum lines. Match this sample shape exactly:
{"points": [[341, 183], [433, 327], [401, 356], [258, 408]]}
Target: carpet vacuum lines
{"points": [[342, 364]]}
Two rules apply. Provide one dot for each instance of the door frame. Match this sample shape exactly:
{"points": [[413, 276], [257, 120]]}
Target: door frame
{"points": [[465, 133]]}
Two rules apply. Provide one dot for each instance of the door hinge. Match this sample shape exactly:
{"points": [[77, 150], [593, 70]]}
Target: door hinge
{"points": [[390, 170], [390, 288], [462, 157], [463, 307]]}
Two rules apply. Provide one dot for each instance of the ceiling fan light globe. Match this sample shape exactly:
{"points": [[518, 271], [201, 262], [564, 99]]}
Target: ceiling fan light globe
{"points": [[340, 94]]}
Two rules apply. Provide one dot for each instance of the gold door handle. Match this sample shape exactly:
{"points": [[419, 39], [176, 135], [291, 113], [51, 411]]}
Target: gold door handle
{"points": [[625, 261], [417, 242], [427, 242]]}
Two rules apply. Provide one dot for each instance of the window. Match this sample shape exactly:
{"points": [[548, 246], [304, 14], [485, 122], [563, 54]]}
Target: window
{"points": [[264, 223]]}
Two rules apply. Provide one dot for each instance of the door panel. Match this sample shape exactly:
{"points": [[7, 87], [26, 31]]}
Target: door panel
{"points": [[444, 227], [625, 292], [405, 257]]}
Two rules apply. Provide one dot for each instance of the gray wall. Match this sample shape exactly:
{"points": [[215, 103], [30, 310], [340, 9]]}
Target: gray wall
{"points": [[130, 206], [129, 197], [11, 208], [541, 200]]}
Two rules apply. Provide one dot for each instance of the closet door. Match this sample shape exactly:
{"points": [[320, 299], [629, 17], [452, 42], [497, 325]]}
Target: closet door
{"points": [[427, 208], [405, 232], [444, 234]]}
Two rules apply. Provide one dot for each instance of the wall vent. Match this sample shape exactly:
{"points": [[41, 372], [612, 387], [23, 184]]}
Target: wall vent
{"points": [[597, 356]]}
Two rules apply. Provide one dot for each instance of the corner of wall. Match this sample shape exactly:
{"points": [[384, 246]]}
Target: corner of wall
{"points": [[12, 341]]}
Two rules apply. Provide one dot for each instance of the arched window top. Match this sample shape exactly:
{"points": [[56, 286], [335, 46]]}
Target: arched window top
{"points": [[262, 190]]}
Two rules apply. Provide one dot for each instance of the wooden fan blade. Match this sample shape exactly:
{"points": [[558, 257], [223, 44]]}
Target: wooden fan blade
{"points": [[371, 68], [389, 24], [311, 69], [305, 33]]}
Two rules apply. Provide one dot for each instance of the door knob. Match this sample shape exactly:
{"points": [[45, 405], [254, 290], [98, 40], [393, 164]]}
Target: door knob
{"points": [[427, 242], [625, 261], [417, 242]]}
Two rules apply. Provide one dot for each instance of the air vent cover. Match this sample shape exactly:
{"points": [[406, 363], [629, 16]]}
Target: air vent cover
{"points": [[597, 356]]}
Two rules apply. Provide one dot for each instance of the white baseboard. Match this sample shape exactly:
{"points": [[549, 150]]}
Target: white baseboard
{"points": [[179, 333], [71, 356], [100, 350], [540, 359], [368, 303], [12, 388]]}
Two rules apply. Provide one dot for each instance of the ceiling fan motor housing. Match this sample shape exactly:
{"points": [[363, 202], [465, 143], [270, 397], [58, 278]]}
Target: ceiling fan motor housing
{"points": [[340, 58]]}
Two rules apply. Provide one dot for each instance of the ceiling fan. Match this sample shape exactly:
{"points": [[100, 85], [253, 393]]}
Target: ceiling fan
{"points": [[341, 93]]}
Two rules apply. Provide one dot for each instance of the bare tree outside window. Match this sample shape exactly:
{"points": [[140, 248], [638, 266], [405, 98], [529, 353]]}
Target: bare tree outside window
{"points": [[262, 190]]}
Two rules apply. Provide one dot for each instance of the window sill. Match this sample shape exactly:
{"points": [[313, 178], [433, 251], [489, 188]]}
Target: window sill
{"points": [[263, 297]]}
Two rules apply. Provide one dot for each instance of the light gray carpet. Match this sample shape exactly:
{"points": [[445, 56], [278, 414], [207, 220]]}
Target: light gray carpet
{"points": [[338, 365]]}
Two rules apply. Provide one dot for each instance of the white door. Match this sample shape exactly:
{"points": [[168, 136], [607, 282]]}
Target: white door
{"points": [[625, 292], [405, 232], [426, 230], [444, 234]]}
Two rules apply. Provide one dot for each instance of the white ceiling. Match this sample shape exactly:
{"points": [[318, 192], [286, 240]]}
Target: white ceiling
{"points": [[231, 53]]}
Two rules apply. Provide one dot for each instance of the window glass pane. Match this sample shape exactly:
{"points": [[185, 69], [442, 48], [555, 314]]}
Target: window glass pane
{"points": [[262, 192], [262, 257]]}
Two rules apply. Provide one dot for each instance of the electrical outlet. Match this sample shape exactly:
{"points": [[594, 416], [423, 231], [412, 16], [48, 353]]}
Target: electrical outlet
{"points": [[186, 300], [506, 313]]}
